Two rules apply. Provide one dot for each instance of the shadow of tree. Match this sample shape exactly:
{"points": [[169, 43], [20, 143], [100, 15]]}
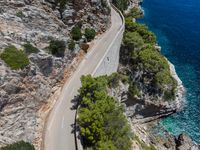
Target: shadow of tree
{"points": [[76, 102]]}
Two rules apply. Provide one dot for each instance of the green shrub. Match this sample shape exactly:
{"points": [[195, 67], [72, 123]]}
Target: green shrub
{"points": [[169, 94], [121, 4], [135, 13], [107, 145], [71, 45], [20, 14], [133, 41], [19, 146], [29, 48], [151, 61], [114, 78], [90, 34], [139, 43], [14, 58], [142, 30], [57, 48], [133, 90], [101, 119], [76, 33]]}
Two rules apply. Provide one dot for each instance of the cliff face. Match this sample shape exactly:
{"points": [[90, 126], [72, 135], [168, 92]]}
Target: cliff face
{"points": [[25, 91], [147, 106]]}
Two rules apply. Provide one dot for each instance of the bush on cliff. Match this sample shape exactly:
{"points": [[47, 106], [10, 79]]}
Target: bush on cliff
{"points": [[142, 30], [57, 48], [142, 56], [121, 4], [132, 40], [14, 58], [76, 33], [20, 14], [90, 34], [151, 61], [71, 45], [19, 146], [114, 78], [133, 90], [135, 12], [29, 48], [101, 119]]}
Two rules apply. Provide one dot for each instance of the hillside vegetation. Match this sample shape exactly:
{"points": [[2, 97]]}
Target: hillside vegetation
{"points": [[121, 4], [14, 58], [150, 71], [19, 146], [102, 123]]}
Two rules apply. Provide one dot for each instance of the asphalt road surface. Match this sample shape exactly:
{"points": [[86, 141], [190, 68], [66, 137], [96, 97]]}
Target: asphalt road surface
{"points": [[59, 131]]}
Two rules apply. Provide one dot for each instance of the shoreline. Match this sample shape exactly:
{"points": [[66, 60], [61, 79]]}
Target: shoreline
{"points": [[180, 90], [143, 129], [179, 101]]}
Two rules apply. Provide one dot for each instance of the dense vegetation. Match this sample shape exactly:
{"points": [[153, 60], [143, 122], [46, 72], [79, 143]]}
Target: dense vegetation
{"points": [[19, 146], [29, 48], [90, 34], [142, 56], [135, 12], [76, 33], [141, 29], [103, 125], [57, 48], [14, 58]]}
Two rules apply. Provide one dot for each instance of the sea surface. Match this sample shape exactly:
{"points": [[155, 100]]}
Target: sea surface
{"points": [[177, 26]]}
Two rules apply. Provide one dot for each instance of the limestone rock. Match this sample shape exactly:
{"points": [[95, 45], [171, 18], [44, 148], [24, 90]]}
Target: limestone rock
{"points": [[184, 142], [24, 92]]}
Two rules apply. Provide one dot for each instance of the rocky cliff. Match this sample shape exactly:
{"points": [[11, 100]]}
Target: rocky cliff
{"points": [[148, 86], [26, 93]]}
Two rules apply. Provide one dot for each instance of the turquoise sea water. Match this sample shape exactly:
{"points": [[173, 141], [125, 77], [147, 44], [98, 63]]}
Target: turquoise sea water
{"points": [[177, 26]]}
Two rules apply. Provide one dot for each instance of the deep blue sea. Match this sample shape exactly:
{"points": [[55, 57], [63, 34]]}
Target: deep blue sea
{"points": [[177, 26]]}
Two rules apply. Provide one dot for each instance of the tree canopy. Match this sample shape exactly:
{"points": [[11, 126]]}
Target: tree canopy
{"points": [[101, 119], [142, 56]]}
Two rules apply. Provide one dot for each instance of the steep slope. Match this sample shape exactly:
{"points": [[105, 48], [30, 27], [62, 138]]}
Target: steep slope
{"points": [[25, 92]]}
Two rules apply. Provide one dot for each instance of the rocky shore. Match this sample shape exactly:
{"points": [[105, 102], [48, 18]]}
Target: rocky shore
{"points": [[145, 116]]}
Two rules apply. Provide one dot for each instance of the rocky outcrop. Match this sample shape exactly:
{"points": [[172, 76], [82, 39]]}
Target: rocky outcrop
{"points": [[146, 109], [184, 142], [25, 95], [148, 104]]}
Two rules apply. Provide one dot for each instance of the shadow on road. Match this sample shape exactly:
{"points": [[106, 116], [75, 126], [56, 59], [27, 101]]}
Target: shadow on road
{"points": [[75, 101], [75, 128]]}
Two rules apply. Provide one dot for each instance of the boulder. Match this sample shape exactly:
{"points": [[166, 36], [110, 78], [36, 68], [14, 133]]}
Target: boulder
{"points": [[184, 142]]}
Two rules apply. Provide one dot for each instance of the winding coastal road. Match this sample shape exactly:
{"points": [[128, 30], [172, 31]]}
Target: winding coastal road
{"points": [[59, 132]]}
